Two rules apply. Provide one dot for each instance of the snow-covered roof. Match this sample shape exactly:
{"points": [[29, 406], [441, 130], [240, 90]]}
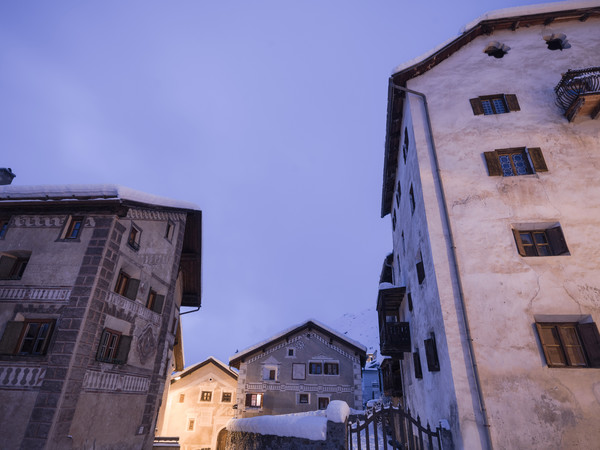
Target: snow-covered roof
{"points": [[72, 192], [499, 14], [295, 329], [210, 359]]}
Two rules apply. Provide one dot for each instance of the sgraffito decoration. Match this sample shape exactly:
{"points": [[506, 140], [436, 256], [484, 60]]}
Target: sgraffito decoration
{"points": [[146, 344]]}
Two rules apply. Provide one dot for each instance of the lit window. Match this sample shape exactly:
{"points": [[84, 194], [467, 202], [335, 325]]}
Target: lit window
{"points": [[226, 397], [206, 396]]}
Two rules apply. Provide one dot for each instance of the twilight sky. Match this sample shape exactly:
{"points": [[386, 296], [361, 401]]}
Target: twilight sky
{"points": [[269, 115]]}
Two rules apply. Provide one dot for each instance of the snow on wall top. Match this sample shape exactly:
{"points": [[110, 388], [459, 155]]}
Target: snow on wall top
{"points": [[341, 336], [88, 192], [309, 425], [502, 14]]}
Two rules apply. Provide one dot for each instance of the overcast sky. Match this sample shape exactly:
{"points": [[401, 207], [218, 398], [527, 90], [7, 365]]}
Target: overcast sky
{"points": [[269, 115]]}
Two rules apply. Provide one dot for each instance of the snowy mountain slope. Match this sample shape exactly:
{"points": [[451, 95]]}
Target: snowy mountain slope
{"points": [[361, 326]]}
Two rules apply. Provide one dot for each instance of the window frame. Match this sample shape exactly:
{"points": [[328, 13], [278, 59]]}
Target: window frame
{"points": [[418, 369], [134, 237], [118, 353], [315, 364], [554, 241], [205, 396], [127, 286], [331, 364], [72, 229], [510, 101], [224, 395], [254, 400], [561, 353], [532, 155], [299, 396], [170, 230]]}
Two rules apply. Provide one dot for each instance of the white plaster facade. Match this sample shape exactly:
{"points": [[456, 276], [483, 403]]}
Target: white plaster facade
{"points": [[523, 402]]}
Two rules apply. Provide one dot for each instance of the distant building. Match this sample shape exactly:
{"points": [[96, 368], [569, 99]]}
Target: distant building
{"points": [[92, 281], [491, 304], [200, 402], [300, 369], [371, 379]]}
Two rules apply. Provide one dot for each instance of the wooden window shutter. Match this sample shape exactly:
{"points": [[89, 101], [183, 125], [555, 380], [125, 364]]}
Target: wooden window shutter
{"points": [[537, 159], [520, 247], [132, 288], [158, 304], [417, 365], [511, 102], [6, 265], [553, 351], [588, 332], [477, 106], [248, 399], [557, 241], [10, 338], [123, 349], [433, 364], [493, 164]]}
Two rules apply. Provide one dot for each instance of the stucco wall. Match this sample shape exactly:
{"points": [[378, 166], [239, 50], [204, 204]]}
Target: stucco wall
{"points": [[528, 403]]}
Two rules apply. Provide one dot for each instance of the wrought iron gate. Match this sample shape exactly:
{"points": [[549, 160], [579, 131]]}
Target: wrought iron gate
{"points": [[392, 428]]}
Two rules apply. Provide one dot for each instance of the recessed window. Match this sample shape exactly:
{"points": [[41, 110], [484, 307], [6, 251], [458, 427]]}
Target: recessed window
{"points": [[509, 162], [496, 49], [127, 286], [420, 267], [322, 402], [13, 265], [73, 228], [169, 231], [303, 398], [113, 347], [557, 41], [291, 352], [405, 146], [433, 362], [133, 240], [417, 364], [331, 368], [254, 400], [226, 397], [541, 242], [155, 302], [494, 104], [568, 344], [3, 227], [412, 200], [28, 337], [206, 396], [315, 368], [270, 373], [191, 424], [409, 301], [181, 398]]}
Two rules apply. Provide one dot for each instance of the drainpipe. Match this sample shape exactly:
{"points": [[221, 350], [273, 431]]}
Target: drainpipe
{"points": [[454, 261]]}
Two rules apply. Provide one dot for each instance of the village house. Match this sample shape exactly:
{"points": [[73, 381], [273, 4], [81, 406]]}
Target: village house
{"points": [[300, 369], [93, 279], [489, 303], [199, 405]]}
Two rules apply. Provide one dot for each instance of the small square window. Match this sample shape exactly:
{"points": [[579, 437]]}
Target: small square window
{"points": [[3, 227], [315, 368], [169, 231], [291, 352], [206, 396], [73, 228], [544, 242], [303, 398], [226, 397], [322, 402], [181, 398], [433, 363], [133, 240]]}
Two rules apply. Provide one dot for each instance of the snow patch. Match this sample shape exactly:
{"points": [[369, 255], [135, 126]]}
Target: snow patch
{"points": [[338, 411], [310, 425]]}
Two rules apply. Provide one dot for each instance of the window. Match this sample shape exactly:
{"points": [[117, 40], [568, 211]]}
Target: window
{"points": [[433, 363], [557, 41], [303, 398], [169, 231], [394, 220], [331, 368], [254, 400], [206, 396], [191, 423], [420, 268], [28, 337], [569, 344], [405, 146], [155, 302], [226, 397], [412, 200], [181, 398], [509, 162], [298, 371], [417, 364], [113, 347], [12, 266], [409, 301], [127, 286], [322, 402], [315, 368], [398, 195], [3, 227], [291, 352], [134, 237], [73, 228], [270, 372], [541, 242], [494, 104], [496, 49]]}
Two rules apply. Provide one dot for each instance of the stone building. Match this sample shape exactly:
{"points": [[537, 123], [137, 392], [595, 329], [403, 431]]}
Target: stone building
{"points": [[199, 405], [300, 369], [489, 302], [92, 282]]}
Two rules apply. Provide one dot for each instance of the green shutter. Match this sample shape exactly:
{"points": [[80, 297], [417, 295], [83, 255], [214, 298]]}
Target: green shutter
{"points": [[537, 159], [132, 288], [588, 332], [158, 304], [123, 349], [477, 106], [493, 164], [10, 338], [511, 102]]}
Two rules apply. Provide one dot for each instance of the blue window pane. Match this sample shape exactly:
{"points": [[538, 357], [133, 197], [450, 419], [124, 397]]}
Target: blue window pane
{"points": [[487, 107], [507, 169], [499, 105]]}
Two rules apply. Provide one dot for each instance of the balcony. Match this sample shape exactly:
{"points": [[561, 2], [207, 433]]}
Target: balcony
{"points": [[578, 93], [394, 339]]}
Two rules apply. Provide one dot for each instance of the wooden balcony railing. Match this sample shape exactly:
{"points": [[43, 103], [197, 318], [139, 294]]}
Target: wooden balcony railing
{"points": [[394, 338], [578, 93]]}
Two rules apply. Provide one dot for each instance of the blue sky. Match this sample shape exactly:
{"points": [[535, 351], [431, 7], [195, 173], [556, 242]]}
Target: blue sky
{"points": [[270, 115]]}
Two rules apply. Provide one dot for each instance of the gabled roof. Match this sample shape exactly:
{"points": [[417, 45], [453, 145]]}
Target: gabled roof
{"points": [[210, 360], [504, 19], [235, 360]]}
